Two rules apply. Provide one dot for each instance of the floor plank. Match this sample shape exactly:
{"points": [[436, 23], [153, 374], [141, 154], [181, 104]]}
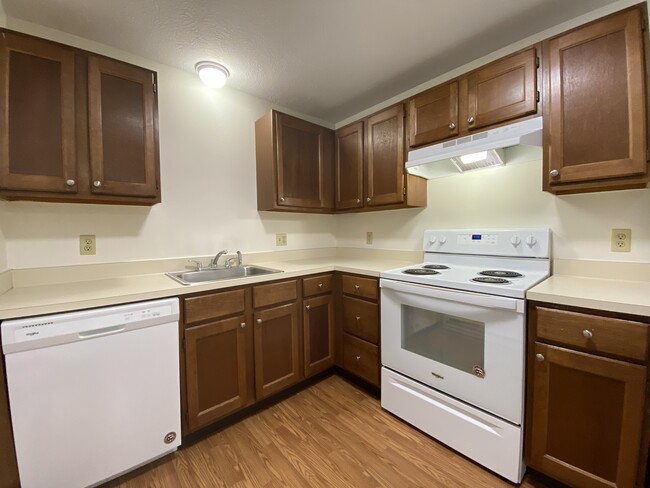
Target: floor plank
{"points": [[330, 435]]}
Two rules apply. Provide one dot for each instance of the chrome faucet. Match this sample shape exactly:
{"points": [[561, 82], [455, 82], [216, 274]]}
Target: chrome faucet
{"points": [[215, 261], [239, 259]]}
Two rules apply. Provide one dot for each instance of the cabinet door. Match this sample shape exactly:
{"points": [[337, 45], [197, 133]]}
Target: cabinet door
{"points": [[121, 119], [276, 349], [303, 163], [502, 90], [595, 122], [349, 167], [385, 157], [587, 417], [433, 115], [215, 367], [318, 327], [37, 114]]}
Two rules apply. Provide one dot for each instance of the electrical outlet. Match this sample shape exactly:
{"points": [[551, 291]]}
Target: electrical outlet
{"points": [[621, 240], [280, 239], [87, 245], [368, 238]]}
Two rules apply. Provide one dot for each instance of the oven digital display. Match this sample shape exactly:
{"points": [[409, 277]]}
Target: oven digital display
{"points": [[476, 237]]}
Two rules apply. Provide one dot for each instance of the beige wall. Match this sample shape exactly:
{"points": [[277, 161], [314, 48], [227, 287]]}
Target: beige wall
{"points": [[208, 187]]}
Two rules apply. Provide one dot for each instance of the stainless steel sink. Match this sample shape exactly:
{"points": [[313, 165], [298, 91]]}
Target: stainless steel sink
{"points": [[218, 274]]}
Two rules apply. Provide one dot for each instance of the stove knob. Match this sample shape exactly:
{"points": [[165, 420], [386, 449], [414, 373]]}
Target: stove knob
{"points": [[442, 239], [515, 240], [531, 241], [432, 240]]}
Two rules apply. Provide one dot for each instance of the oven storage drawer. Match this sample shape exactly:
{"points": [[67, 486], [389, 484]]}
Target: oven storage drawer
{"points": [[360, 287], [361, 318], [361, 358], [592, 333]]}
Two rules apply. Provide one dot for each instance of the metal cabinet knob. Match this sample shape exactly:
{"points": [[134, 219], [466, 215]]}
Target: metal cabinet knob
{"points": [[587, 334], [452, 126], [357, 317], [470, 119], [358, 358], [356, 287], [242, 325], [358, 200], [282, 199], [70, 182], [259, 321], [97, 183], [307, 307], [539, 357], [368, 199], [320, 285], [554, 173]]}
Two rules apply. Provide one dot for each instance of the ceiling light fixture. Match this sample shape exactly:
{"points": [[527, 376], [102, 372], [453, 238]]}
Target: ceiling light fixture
{"points": [[212, 74]]}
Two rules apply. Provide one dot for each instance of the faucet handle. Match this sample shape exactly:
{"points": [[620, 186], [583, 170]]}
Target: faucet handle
{"points": [[239, 259], [197, 263]]}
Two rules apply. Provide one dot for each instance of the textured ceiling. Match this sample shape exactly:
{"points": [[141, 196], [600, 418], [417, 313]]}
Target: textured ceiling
{"points": [[326, 58]]}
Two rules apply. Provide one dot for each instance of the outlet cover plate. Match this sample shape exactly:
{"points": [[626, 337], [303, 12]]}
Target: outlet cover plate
{"points": [[87, 245], [280, 239], [369, 238], [621, 240]]}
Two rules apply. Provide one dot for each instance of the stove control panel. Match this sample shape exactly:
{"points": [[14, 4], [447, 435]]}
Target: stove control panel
{"points": [[534, 243]]}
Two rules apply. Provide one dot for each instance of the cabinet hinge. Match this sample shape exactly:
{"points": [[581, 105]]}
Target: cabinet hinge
{"points": [[537, 96], [537, 62], [642, 24], [153, 83], [647, 155], [404, 190]]}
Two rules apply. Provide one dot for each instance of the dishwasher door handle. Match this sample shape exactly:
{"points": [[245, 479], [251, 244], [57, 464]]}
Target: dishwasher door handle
{"points": [[101, 332]]}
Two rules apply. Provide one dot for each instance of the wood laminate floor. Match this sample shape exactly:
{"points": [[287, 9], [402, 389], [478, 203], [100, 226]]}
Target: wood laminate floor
{"points": [[329, 435]]}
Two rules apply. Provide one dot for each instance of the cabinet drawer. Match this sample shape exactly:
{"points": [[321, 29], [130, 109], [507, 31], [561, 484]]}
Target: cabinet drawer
{"points": [[214, 305], [361, 358], [316, 285], [593, 333], [264, 295], [361, 318], [361, 287]]}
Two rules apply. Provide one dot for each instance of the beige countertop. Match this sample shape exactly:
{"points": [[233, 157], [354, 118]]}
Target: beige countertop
{"points": [[52, 297], [625, 290]]}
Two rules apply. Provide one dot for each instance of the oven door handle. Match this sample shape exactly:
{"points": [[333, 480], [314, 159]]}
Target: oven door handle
{"points": [[486, 301]]}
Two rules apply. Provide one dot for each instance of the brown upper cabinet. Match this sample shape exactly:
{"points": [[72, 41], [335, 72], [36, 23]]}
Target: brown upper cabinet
{"points": [[501, 91], [294, 164], [595, 107], [64, 133], [370, 156]]}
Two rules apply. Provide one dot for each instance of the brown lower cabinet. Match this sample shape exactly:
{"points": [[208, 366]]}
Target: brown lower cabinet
{"points": [[586, 409], [245, 344]]}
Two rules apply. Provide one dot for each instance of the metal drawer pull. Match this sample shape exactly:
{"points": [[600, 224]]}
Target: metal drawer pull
{"points": [[587, 334], [356, 287], [259, 321], [357, 317], [307, 307], [242, 325], [358, 358], [539, 357], [320, 285]]}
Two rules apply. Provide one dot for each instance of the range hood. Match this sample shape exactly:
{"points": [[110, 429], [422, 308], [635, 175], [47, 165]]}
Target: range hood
{"points": [[518, 142]]}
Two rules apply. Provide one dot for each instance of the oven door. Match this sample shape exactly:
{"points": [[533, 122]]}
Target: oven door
{"points": [[468, 345]]}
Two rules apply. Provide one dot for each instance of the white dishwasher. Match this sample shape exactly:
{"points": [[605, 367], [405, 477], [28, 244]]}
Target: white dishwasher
{"points": [[94, 393]]}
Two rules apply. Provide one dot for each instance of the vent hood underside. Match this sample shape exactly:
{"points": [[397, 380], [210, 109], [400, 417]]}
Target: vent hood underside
{"points": [[521, 142]]}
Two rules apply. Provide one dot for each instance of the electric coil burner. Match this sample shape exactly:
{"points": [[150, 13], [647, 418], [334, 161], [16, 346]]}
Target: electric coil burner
{"points": [[453, 333]]}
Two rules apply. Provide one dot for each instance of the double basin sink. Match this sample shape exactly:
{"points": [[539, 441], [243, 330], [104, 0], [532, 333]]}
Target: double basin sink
{"points": [[218, 274]]}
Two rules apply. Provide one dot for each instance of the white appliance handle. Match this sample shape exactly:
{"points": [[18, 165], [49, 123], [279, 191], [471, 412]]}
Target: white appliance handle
{"points": [[486, 301]]}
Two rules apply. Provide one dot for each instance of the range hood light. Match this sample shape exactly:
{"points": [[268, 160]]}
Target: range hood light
{"points": [[477, 160], [474, 157]]}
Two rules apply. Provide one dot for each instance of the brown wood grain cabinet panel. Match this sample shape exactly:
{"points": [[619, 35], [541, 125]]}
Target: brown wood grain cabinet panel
{"points": [[361, 318], [214, 305], [361, 358], [593, 333], [316, 285], [216, 370], [502, 90], [37, 114], [587, 417], [277, 347], [349, 156], [595, 127], [122, 154], [360, 287], [433, 115], [273, 293], [385, 157], [318, 336]]}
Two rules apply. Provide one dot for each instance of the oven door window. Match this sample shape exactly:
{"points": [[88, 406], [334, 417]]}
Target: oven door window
{"points": [[447, 339]]}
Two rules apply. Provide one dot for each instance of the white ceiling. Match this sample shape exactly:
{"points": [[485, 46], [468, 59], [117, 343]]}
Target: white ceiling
{"points": [[326, 58]]}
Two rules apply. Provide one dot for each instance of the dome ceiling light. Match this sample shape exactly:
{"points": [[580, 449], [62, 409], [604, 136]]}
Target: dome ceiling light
{"points": [[212, 74]]}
